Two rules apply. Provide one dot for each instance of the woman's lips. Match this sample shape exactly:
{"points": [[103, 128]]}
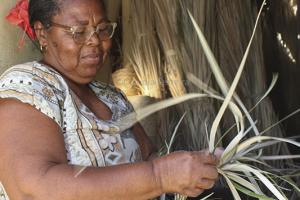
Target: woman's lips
{"points": [[93, 58]]}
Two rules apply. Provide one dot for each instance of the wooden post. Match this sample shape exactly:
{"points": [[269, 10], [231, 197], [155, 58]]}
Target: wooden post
{"points": [[127, 32]]}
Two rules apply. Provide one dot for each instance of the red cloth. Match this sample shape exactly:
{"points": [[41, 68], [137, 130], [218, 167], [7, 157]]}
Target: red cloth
{"points": [[19, 16]]}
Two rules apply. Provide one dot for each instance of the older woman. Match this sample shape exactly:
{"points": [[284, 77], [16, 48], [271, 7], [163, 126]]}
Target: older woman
{"points": [[54, 119]]}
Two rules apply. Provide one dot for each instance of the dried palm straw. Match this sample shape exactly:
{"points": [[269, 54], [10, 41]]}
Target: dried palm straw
{"points": [[144, 56], [166, 27], [181, 54], [231, 41], [125, 79], [239, 174]]}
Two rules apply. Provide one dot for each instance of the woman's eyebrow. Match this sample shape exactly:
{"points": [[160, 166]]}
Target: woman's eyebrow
{"points": [[82, 22], [102, 20], [86, 22]]}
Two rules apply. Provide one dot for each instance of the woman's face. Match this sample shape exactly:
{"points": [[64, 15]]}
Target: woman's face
{"points": [[76, 61]]}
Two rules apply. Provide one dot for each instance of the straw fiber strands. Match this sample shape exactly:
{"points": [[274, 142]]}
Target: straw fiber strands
{"points": [[182, 53], [233, 25], [174, 49], [166, 44], [146, 61], [144, 56]]}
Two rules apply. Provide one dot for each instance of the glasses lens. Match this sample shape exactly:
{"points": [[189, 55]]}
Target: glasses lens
{"points": [[81, 34], [105, 31]]}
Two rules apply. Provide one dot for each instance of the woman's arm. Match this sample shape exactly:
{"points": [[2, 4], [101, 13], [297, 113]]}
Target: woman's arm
{"points": [[34, 165], [147, 147]]}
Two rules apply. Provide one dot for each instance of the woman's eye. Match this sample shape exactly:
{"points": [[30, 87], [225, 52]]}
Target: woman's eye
{"points": [[79, 32], [102, 27]]}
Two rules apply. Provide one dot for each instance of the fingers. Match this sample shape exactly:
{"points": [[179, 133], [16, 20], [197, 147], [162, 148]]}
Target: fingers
{"points": [[205, 184], [210, 172], [191, 172], [208, 158], [192, 192], [219, 152], [207, 165]]}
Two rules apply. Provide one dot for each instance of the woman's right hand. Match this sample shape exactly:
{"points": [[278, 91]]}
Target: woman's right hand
{"points": [[186, 173]]}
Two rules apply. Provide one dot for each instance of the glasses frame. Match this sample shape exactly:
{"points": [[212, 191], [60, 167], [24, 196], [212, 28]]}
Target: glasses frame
{"points": [[72, 30]]}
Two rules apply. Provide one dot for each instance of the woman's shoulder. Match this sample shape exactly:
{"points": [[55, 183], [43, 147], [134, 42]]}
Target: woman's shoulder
{"points": [[34, 84], [28, 68], [33, 74], [24, 69]]}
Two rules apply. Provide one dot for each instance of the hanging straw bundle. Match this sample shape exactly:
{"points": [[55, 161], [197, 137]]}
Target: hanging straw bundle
{"points": [[165, 21], [166, 28], [181, 55], [199, 115], [143, 56], [125, 79]]}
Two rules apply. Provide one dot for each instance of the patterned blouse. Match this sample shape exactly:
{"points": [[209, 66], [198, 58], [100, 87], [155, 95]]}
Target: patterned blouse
{"points": [[89, 141]]}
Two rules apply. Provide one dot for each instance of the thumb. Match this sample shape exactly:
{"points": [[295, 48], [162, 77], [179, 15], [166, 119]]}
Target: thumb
{"points": [[218, 152]]}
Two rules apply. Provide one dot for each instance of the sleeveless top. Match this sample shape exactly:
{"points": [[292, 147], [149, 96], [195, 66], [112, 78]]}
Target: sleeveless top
{"points": [[89, 141]]}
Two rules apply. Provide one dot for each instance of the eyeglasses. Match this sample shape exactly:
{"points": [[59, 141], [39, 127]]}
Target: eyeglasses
{"points": [[81, 34]]}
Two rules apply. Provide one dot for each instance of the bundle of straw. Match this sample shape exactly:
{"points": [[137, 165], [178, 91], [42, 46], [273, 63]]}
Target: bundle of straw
{"points": [[125, 79], [166, 28], [235, 164], [143, 56], [181, 55], [199, 115], [165, 21]]}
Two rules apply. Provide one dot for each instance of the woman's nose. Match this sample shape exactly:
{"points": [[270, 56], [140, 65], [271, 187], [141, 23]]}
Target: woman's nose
{"points": [[94, 38]]}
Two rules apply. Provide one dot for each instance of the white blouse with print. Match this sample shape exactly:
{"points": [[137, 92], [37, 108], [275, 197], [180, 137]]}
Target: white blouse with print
{"points": [[89, 141]]}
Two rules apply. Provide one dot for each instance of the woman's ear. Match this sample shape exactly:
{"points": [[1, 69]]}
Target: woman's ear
{"points": [[41, 34]]}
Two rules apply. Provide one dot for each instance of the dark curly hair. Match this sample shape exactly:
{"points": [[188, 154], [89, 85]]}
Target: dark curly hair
{"points": [[43, 11]]}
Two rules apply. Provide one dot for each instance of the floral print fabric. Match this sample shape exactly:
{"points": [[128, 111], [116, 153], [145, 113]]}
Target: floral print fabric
{"points": [[89, 141]]}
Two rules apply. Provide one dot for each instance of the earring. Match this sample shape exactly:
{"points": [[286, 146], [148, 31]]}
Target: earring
{"points": [[43, 48]]}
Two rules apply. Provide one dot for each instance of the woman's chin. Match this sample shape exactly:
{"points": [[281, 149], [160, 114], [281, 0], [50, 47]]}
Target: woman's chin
{"points": [[88, 77], [89, 66], [86, 72], [91, 72]]}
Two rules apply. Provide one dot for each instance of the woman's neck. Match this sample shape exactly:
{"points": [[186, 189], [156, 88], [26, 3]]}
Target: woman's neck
{"points": [[77, 88]]}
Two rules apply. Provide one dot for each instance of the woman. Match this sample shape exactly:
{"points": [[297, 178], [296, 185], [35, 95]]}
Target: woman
{"points": [[54, 120]]}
